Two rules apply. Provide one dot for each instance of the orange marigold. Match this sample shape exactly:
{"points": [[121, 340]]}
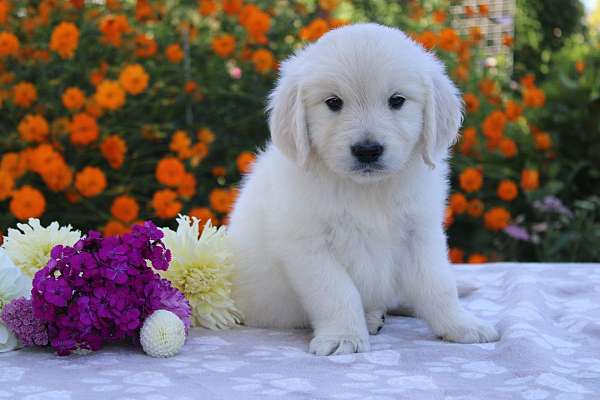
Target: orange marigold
{"points": [[484, 10], [449, 39], [508, 148], [134, 79], [90, 181], [187, 187], [579, 67], [468, 140], [27, 202], [125, 208], [9, 44], [427, 39], [244, 162], [456, 255], [174, 53], [458, 203], [543, 141], [257, 23], [206, 136], [221, 200], [223, 45], [24, 94], [114, 228], [57, 175], [513, 110], [507, 40], [181, 144], [165, 204], [84, 129], [73, 98], [475, 208], [7, 183], [530, 179], [113, 148], [471, 179], [496, 219], [534, 97], [487, 87], [203, 214], [145, 46], [314, 30], [493, 126], [475, 34], [110, 95], [64, 39], [113, 27], [477, 258], [439, 16], [207, 7], [471, 101], [13, 163], [33, 128], [263, 60], [232, 7], [507, 190], [170, 171]]}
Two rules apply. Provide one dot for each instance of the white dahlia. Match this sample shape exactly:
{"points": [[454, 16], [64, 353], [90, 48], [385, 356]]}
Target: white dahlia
{"points": [[29, 246], [163, 334], [201, 270]]}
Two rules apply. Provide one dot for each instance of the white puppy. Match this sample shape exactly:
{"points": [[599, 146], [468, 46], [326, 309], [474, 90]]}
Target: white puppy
{"points": [[340, 220]]}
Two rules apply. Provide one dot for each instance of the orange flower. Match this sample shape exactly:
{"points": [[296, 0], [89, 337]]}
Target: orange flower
{"points": [[203, 214], [33, 128], [496, 219], [534, 97], [493, 127], [7, 183], [513, 110], [427, 39], [187, 187], [508, 148], [449, 39], [458, 203], [223, 45], [471, 101], [90, 181], [207, 7], [181, 144], [221, 200], [174, 53], [113, 27], [543, 141], [190, 87], [145, 46], [218, 171], [27, 202], [257, 23], [113, 148], [469, 11], [263, 60], [134, 79], [125, 208], [439, 16], [484, 10], [530, 179], [114, 228], [456, 255], [471, 179], [4, 13], [206, 136], [507, 40], [475, 208], [579, 67], [477, 258], [73, 98], [507, 190], [199, 152], [528, 81], [170, 171], [231, 7], [9, 44], [14, 164], [64, 39], [84, 129], [245, 161], [41, 156], [56, 174], [165, 204], [314, 30], [468, 140], [24, 94], [448, 218], [487, 87], [110, 95], [475, 34]]}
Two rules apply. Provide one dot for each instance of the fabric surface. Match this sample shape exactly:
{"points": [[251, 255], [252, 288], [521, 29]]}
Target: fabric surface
{"points": [[548, 316]]}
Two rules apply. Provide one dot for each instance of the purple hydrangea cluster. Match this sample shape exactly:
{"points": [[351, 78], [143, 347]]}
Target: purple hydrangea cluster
{"points": [[102, 289], [18, 318]]}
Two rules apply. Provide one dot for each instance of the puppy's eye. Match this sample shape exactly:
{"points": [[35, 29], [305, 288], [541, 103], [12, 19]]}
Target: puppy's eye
{"points": [[334, 103], [396, 101]]}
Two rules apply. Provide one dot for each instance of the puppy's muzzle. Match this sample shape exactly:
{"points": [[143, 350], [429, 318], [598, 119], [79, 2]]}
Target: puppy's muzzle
{"points": [[367, 151]]}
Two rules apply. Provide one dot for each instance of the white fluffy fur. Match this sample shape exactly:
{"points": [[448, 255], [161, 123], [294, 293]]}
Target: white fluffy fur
{"points": [[321, 244]]}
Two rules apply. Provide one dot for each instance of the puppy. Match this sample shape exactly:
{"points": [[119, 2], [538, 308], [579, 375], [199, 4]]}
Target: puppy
{"points": [[341, 219]]}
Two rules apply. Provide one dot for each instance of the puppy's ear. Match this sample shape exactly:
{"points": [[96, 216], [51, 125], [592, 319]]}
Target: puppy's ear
{"points": [[287, 120], [443, 115]]}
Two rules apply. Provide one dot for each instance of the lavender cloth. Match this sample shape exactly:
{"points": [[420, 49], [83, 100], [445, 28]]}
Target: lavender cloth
{"points": [[548, 315]]}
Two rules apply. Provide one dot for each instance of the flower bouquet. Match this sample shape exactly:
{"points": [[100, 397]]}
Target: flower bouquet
{"points": [[99, 290]]}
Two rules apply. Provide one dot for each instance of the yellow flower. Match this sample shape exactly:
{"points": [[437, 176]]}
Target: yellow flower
{"points": [[201, 269]]}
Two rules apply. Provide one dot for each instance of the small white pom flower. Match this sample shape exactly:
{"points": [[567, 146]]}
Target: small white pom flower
{"points": [[163, 334]]}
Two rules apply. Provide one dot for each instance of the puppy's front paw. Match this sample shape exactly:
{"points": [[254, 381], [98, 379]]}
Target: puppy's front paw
{"points": [[468, 329], [375, 321], [335, 345]]}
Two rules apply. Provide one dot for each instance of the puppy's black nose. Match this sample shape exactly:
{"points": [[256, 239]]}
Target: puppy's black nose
{"points": [[367, 151]]}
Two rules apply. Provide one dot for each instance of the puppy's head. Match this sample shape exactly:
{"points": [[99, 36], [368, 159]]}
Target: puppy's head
{"points": [[364, 100]]}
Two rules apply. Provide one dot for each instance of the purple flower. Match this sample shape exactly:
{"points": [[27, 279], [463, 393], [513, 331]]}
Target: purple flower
{"points": [[57, 292], [19, 319], [517, 232]]}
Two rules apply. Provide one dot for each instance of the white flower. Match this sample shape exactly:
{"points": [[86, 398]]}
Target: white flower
{"points": [[13, 284], [29, 246], [163, 334], [201, 270]]}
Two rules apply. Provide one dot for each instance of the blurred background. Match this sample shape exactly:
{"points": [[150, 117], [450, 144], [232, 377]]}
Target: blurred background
{"points": [[113, 112]]}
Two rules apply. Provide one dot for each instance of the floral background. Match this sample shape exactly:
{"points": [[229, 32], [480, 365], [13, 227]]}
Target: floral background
{"points": [[113, 112]]}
